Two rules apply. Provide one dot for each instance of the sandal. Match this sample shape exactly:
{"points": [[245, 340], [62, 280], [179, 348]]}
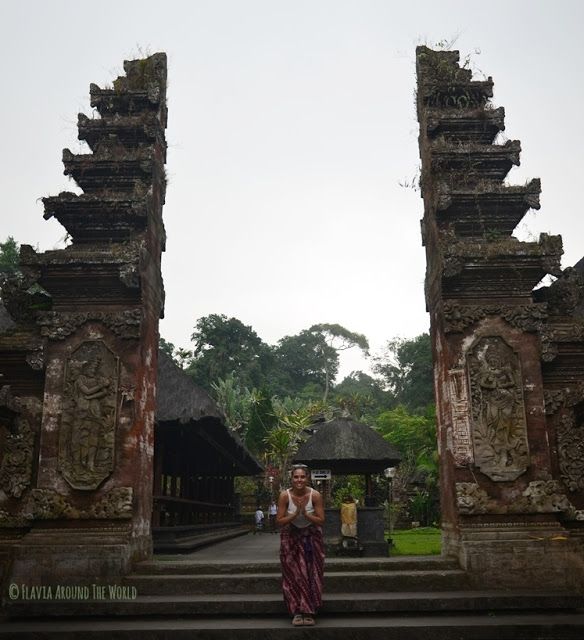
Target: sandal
{"points": [[298, 620], [309, 621]]}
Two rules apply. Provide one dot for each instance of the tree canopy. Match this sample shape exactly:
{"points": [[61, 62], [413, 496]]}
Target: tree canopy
{"points": [[272, 394], [334, 337], [225, 345], [406, 369], [9, 255], [300, 362]]}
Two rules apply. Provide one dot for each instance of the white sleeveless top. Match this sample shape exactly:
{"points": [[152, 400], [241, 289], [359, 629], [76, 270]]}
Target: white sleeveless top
{"points": [[301, 521]]}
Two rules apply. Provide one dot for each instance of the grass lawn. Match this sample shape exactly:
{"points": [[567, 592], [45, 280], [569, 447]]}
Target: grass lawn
{"points": [[424, 541]]}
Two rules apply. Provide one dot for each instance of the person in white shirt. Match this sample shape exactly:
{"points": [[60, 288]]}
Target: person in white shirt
{"points": [[259, 520], [301, 516], [273, 510]]}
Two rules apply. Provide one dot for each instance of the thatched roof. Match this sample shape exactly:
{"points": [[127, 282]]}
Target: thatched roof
{"points": [[345, 446], [180, 402], [179, 398]]}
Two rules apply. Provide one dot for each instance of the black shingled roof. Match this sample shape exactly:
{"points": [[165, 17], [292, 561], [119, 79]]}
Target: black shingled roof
{"points": [[345, 446], [180, 401]]}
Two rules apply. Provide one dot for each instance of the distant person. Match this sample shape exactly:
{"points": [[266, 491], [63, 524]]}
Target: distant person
{"points": [[349, 517], [301, 516], [259, 520], [272, 513]]}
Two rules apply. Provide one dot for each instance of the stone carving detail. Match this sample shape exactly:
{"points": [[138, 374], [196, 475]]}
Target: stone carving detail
{"points": [[47, 504], [557, 398], [571, 452], [36, 359], [471, 499], [8, 520], [540, 496], [451, 265], [87, 434], [16, 456], [499, 426], [461, 436], [130, 275], [525, 317], [59, 325], [550, 335], [565, 294], [549, 351]]}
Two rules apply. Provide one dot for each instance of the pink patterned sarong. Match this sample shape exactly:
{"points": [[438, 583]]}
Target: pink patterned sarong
{"points": [[302, 558]]}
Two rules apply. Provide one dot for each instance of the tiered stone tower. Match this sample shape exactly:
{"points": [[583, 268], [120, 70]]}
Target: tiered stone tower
{"points": [[508, 360], [78, 351]]}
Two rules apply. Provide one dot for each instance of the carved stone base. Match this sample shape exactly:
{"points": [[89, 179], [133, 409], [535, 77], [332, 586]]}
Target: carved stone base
{"points": [[59, 556], [527, 557]]}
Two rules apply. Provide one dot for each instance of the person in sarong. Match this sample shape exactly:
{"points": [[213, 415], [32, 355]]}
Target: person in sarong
{"points": [[349, 517], [301, 516]]}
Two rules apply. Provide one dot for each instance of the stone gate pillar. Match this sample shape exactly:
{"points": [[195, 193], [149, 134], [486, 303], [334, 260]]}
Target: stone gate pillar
{"points": [[508, 360], [78, 351]]}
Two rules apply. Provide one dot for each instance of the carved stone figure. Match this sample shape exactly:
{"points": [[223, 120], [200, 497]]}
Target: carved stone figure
{"points": [[87, 437], [571, 452], [16, 460], [499, 426], [17, 440]]}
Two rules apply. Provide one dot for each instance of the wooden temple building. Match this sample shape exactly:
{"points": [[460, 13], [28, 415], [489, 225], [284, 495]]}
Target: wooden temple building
{"points": [[196, 459]]}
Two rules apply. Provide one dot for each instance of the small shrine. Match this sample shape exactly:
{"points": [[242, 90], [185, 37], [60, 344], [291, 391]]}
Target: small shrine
{"points": [[345, 447]]}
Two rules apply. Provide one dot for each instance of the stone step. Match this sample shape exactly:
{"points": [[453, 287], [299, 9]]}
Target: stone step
{"points": [[272, 604], [544, 625], [196, 567], [334, 582]]}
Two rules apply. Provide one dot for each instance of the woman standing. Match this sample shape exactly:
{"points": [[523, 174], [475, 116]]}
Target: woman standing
{"points": [[301, 514]]}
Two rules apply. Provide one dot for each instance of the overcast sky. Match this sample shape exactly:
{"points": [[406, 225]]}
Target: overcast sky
{"points": [[291, 126]]}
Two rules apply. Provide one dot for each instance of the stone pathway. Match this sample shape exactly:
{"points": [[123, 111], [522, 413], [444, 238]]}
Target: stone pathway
{"points": [[249, 548]]}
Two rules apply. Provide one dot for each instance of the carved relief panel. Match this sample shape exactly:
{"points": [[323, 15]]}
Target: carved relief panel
{"points": [[571, 450], [499, 426], [461, 433], [88, 425]]}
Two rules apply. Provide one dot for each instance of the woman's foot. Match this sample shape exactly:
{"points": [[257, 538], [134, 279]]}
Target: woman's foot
{"points": [[309, 621], [298, 620]]}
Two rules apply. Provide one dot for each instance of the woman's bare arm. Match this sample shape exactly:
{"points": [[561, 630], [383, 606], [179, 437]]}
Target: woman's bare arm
{"points": [[281, 517], [318, 516]]}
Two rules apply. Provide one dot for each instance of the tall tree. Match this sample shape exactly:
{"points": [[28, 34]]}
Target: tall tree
{"points": [[406, 368], [336, 337], [413, 434], [225, 345], [361, 394], [299, 363], [9, 256], [313, 355]]}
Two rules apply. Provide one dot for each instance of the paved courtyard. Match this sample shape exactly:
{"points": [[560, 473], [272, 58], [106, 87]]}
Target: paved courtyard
{"points": [[249, 548]]}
